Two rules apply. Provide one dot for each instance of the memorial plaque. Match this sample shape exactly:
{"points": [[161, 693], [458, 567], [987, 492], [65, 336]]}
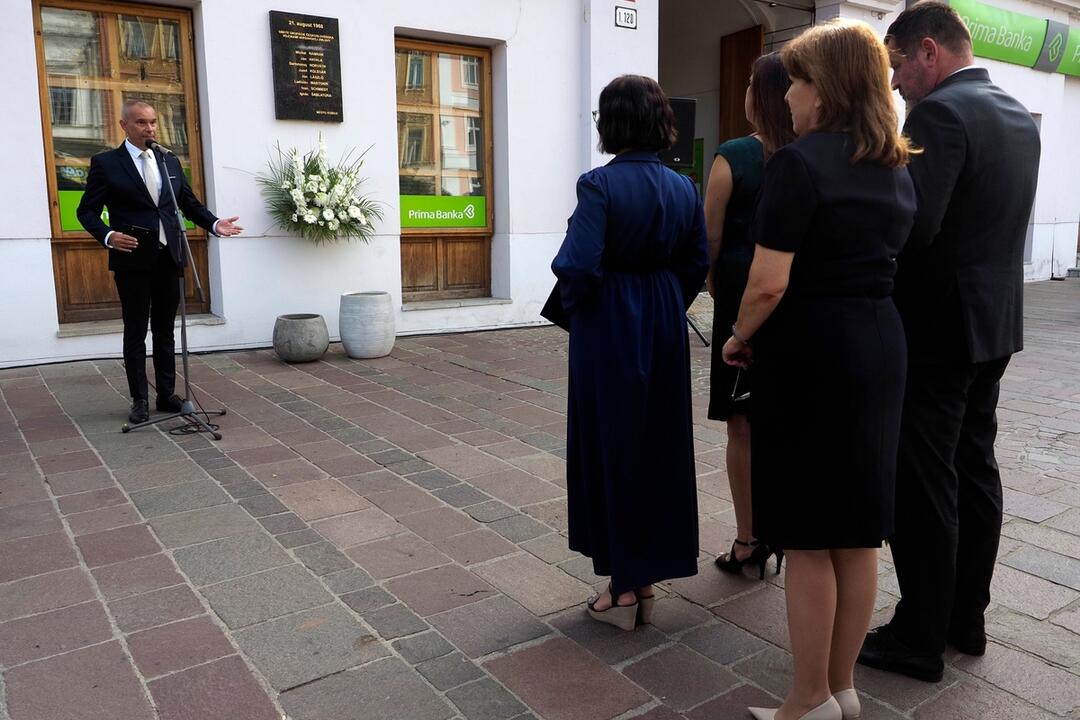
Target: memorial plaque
{"points": [[306, 57]]}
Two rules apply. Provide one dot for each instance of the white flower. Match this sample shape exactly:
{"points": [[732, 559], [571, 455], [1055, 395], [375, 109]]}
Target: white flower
{"points": [[362, 219], [328, 214], [311, 186], [286, 185], [309, 218], [320, 199], [333, 224], [354, 212], [297, 196]]}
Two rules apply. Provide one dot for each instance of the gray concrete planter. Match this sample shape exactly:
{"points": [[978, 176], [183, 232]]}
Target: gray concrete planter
{"points": [[301, 337], [366, 324]]}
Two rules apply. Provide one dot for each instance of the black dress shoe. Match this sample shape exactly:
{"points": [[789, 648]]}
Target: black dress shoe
{"points": [[169, 403], [969, 642], [140, 412], [883, 651]]}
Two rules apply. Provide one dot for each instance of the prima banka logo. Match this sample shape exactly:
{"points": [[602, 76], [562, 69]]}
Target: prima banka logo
{"points": [[470, 211], [1056, 46], [467, 212]]}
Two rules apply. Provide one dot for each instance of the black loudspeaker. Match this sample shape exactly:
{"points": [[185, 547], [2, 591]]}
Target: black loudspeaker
{"points": [[681, 154]]}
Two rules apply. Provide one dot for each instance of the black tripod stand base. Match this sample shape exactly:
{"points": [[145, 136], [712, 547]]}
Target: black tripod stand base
{"points": [[188, 413]]}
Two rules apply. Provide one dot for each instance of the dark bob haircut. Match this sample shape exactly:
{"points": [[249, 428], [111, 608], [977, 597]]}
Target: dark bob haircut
{"points": [[769, 82], [634, 115]]}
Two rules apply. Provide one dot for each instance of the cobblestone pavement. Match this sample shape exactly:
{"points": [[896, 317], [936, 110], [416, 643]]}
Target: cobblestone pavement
{"points": [[385, 539]]}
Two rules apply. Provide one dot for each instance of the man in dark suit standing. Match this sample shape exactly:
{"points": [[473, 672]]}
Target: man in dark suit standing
{"points": [[959, 289], [145, 252]]}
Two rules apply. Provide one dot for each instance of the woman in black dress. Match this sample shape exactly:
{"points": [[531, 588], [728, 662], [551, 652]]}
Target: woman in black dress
{"points": [[829, 353], [734, 183]]}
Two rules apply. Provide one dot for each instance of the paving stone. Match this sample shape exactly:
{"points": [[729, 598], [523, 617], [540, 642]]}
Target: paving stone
{"points": [[1028, 594], [52, 633], [198, 526], [262, 505], [262, 455], [367, 599], [1067, 521], [1026, 677], [673, 615], [423, 647], [157, 607], [723, 642], [173, 472], [81, 502], [374, 482], [1056, 568], [222, 690], [449, 671], [299, 538], [177, 646], [518, 528], [438, 523], [541, 588], [347, 581], [515, 487], [485, 699], [608, 643], [486, 627], [462, 495], [299, 648], [288, 472], [35, 556], [900, 692], [29, 519], [244, 489], [582, 568], [394, 621], [462, 461], [136, 576], [1045, 537], [81, 460], [383, 690], [974, 700], [78, 481], [322, 558], [440, 589], [283, 523], [320, 499], [545, 676], [1043, 639], [476, 546], [45, 592], [763, 613], [732, 703], [88, 684], [111, 546], [432, 479], [178, 498], [404, 501], [362, 526], [391, 456], [224, 559], [681, 677], [396, 556], [346, 465], [1030, 507], [260, 597], [490, 511]]}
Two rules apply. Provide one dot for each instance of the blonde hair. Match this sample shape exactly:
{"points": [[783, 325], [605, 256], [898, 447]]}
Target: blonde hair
{"points": [[849, 66]]}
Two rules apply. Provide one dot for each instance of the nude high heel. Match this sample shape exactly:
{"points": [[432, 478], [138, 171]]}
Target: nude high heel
{"points": [[828, 710], [621, 616], [849, 704]]}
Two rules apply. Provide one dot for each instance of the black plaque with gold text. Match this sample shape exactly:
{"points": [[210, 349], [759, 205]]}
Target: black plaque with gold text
{"points": [[306, 56]]}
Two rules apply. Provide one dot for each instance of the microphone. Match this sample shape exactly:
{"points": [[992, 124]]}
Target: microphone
{"points": [[154, 145]]}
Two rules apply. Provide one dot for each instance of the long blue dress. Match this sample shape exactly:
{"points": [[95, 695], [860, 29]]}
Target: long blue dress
{"points": [[634, 258]]}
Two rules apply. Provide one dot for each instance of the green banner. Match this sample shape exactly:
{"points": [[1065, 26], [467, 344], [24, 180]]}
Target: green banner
{"points": [[443, 211], [1070, 60], [69, 203], [1002, 35]]}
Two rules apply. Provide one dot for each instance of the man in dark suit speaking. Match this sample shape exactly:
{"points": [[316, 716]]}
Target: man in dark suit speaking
{"points": [[959, 290], [145, 252]]}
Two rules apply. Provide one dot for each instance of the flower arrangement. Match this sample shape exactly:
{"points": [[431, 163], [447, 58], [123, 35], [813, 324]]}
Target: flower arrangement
{"points": [[307, 196]]}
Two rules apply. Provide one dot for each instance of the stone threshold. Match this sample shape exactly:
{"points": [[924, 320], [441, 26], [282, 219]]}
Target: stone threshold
{"points": [[116, 327], [462, 302]]}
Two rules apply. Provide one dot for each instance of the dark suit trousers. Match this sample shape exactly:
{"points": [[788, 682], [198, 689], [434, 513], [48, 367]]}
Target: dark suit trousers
{"points": [[948, 501], [149, 296]]}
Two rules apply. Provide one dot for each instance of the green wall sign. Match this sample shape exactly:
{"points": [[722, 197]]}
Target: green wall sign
{"points": [[1070, 59], [443, 211], [69, 203], [1002, 35]]}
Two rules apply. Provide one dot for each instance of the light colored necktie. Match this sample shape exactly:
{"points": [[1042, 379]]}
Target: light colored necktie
{"points": [[152, 187]]}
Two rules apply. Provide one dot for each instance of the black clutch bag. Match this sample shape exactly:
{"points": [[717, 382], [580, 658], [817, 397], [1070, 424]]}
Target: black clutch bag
{"points": [[554, 310]]}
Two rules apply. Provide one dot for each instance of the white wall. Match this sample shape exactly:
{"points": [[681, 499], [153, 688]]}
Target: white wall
{"points": [[550, 60]]}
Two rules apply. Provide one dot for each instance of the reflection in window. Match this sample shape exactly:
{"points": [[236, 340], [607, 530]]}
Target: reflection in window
{"points": [[470, 71], [453, 92], [62, 105], [414, 78], [472, 133], [414, 147], [417, 185]]}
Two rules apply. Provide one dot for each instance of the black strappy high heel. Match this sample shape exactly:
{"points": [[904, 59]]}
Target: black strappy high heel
{"points": [[729, 562]]}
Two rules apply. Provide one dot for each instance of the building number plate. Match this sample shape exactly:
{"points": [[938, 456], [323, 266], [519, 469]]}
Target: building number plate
{"points": [[626, 18]]}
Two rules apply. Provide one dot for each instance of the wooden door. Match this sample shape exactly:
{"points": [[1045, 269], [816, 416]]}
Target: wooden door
{"points": [[738, 51], [445, 168], [92, 56]]}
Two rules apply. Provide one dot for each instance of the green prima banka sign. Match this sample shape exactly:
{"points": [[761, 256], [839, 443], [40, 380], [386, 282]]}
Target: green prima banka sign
{"points": [[1070, 57], [443, 211], [69, 200], [1002, 35]]}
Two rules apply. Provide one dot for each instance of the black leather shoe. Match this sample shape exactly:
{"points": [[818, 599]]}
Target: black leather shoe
{"points": [[140, 412], [170, 403], [883, 651], [969, 642]]}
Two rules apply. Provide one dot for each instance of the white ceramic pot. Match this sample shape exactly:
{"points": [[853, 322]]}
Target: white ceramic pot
{"points": [[301, 337], [366, 324]]}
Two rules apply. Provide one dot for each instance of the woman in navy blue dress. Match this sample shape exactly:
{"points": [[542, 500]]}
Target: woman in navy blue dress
{"points": [[634, 258]]}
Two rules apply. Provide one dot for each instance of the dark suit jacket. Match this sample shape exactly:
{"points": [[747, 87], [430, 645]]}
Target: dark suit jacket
{"points": [[115, 183], [959, 281]]}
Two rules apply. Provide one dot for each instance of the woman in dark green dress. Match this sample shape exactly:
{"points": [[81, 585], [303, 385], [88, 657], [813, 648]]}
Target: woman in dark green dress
{"points": [[734, 182]]}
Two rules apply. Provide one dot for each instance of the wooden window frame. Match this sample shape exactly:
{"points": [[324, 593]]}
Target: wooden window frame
{"points": [[61, 239]]}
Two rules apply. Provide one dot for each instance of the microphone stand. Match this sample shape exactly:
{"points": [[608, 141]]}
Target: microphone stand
{"points": [[187, 408]]}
